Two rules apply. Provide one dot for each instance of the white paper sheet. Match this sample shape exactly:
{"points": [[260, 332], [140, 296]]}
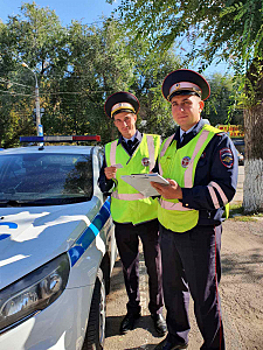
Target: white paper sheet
{"points": [[141, 182]]}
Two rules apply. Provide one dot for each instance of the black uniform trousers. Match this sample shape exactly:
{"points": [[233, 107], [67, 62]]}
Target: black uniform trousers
{"points": [[127, 238], [191, 265]]}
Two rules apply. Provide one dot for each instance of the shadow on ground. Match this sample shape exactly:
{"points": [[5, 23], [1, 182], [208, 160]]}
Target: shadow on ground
{"points": [[246, 266], [143, 347], [117, 280], [113, 325]]}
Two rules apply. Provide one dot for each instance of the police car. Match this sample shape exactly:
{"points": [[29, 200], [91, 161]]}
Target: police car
{"points": [[57, 247]]}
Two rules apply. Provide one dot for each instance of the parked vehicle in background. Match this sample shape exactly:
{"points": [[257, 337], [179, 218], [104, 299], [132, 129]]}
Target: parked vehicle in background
{"points": [[240, 157], [57, 248]]}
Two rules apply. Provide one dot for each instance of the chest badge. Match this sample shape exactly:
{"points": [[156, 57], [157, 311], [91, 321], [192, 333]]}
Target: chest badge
{"points": [[185, 161], [146, 162]]}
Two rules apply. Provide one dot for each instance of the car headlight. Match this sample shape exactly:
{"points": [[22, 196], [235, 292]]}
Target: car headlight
{"points": [[33, 292]]}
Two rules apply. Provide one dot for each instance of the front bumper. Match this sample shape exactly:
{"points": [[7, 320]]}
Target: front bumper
{"points": [[61, 326]]}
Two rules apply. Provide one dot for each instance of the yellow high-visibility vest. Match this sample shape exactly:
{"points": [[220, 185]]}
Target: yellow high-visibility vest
{"points": [[180, 165], [128, 204]]}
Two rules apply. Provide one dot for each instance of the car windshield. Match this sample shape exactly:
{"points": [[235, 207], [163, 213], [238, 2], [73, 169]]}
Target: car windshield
{"points": [[45, 179]]}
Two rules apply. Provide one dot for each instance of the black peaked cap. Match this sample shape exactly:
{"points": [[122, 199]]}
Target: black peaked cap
{"points": [[119, 97], [185, 75]]}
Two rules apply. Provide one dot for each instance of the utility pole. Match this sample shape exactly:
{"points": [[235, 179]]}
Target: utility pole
{"points": [[37, 102]]}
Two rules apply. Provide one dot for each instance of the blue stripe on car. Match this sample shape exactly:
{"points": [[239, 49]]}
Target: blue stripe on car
{"points": [[87, 237], [9, 224], [4, 236]]}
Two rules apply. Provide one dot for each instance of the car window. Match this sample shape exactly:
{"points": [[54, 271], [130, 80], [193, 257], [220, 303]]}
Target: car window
{"points": [[45, 178]]}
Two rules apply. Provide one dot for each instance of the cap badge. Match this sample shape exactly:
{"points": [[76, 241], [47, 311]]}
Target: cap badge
{"points": [[185, 161], [146, 162]]}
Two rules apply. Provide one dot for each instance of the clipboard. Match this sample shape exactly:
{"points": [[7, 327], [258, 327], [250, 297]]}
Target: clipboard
{"points": [[141, 182]]}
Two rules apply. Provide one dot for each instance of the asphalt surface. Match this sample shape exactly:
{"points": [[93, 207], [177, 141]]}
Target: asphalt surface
{"points": [[241, 293]]}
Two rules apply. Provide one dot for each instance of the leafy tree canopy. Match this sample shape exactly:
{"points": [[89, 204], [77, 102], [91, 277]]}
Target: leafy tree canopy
{"points": [[230, 29], [77, 68], [215, 30]]}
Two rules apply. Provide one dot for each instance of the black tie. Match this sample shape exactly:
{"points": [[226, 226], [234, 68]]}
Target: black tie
{"points": [[182, 139], [129, 145]]}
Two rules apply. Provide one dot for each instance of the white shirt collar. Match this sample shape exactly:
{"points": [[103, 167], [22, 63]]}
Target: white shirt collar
{"points": [[132, 138], [185, 132]]}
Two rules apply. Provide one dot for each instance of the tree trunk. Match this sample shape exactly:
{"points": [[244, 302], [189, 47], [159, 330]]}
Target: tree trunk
{"points": [[253, 184]]}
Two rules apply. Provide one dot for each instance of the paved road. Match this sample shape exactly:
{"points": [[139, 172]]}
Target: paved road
{"points": [[235, 292]]}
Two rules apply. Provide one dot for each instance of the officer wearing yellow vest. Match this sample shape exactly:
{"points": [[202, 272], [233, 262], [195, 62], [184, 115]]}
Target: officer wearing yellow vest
{"points": [[134, 215], [201, 165]]}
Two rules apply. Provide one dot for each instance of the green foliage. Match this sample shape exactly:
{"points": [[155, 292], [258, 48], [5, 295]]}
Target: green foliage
{"points": [[238, 213], [215, 30], [221, 107], [31, 37], [79, 66]]}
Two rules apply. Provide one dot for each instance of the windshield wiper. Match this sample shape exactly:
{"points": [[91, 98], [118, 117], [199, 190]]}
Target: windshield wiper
{"points": [[43, 201], [60, 200], [12, 203]]}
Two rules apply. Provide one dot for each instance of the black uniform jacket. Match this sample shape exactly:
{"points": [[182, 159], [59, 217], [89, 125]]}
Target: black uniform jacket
{"points": [[218, 163]]}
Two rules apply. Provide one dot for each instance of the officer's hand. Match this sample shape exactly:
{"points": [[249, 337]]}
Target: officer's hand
{"points": [[110, 172], [171, 191]]}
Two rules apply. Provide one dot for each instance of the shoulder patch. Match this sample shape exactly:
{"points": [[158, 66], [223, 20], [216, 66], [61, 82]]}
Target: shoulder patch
{"points": [[226, 157]]}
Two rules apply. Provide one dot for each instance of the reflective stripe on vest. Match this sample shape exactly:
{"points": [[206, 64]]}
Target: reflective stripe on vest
{"points": [[180, 165], [188, 175], [133, 196], [127, 197], [167, 143], [172, 206], [150, 145], [127, 204], [113, 152]]}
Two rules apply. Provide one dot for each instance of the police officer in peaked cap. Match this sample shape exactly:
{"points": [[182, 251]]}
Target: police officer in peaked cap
{"points": [[134, 215], [201, 166]]}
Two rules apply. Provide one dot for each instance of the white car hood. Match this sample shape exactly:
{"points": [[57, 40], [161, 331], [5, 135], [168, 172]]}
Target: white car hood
{"points": [[32, 236]]}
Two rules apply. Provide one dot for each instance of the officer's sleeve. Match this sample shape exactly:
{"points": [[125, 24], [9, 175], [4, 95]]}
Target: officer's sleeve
{"points": [[104, 184], [222, 170]]}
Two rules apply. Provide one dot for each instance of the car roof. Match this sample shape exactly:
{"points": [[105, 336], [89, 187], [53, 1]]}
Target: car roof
{"points": [[50, 149]]}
